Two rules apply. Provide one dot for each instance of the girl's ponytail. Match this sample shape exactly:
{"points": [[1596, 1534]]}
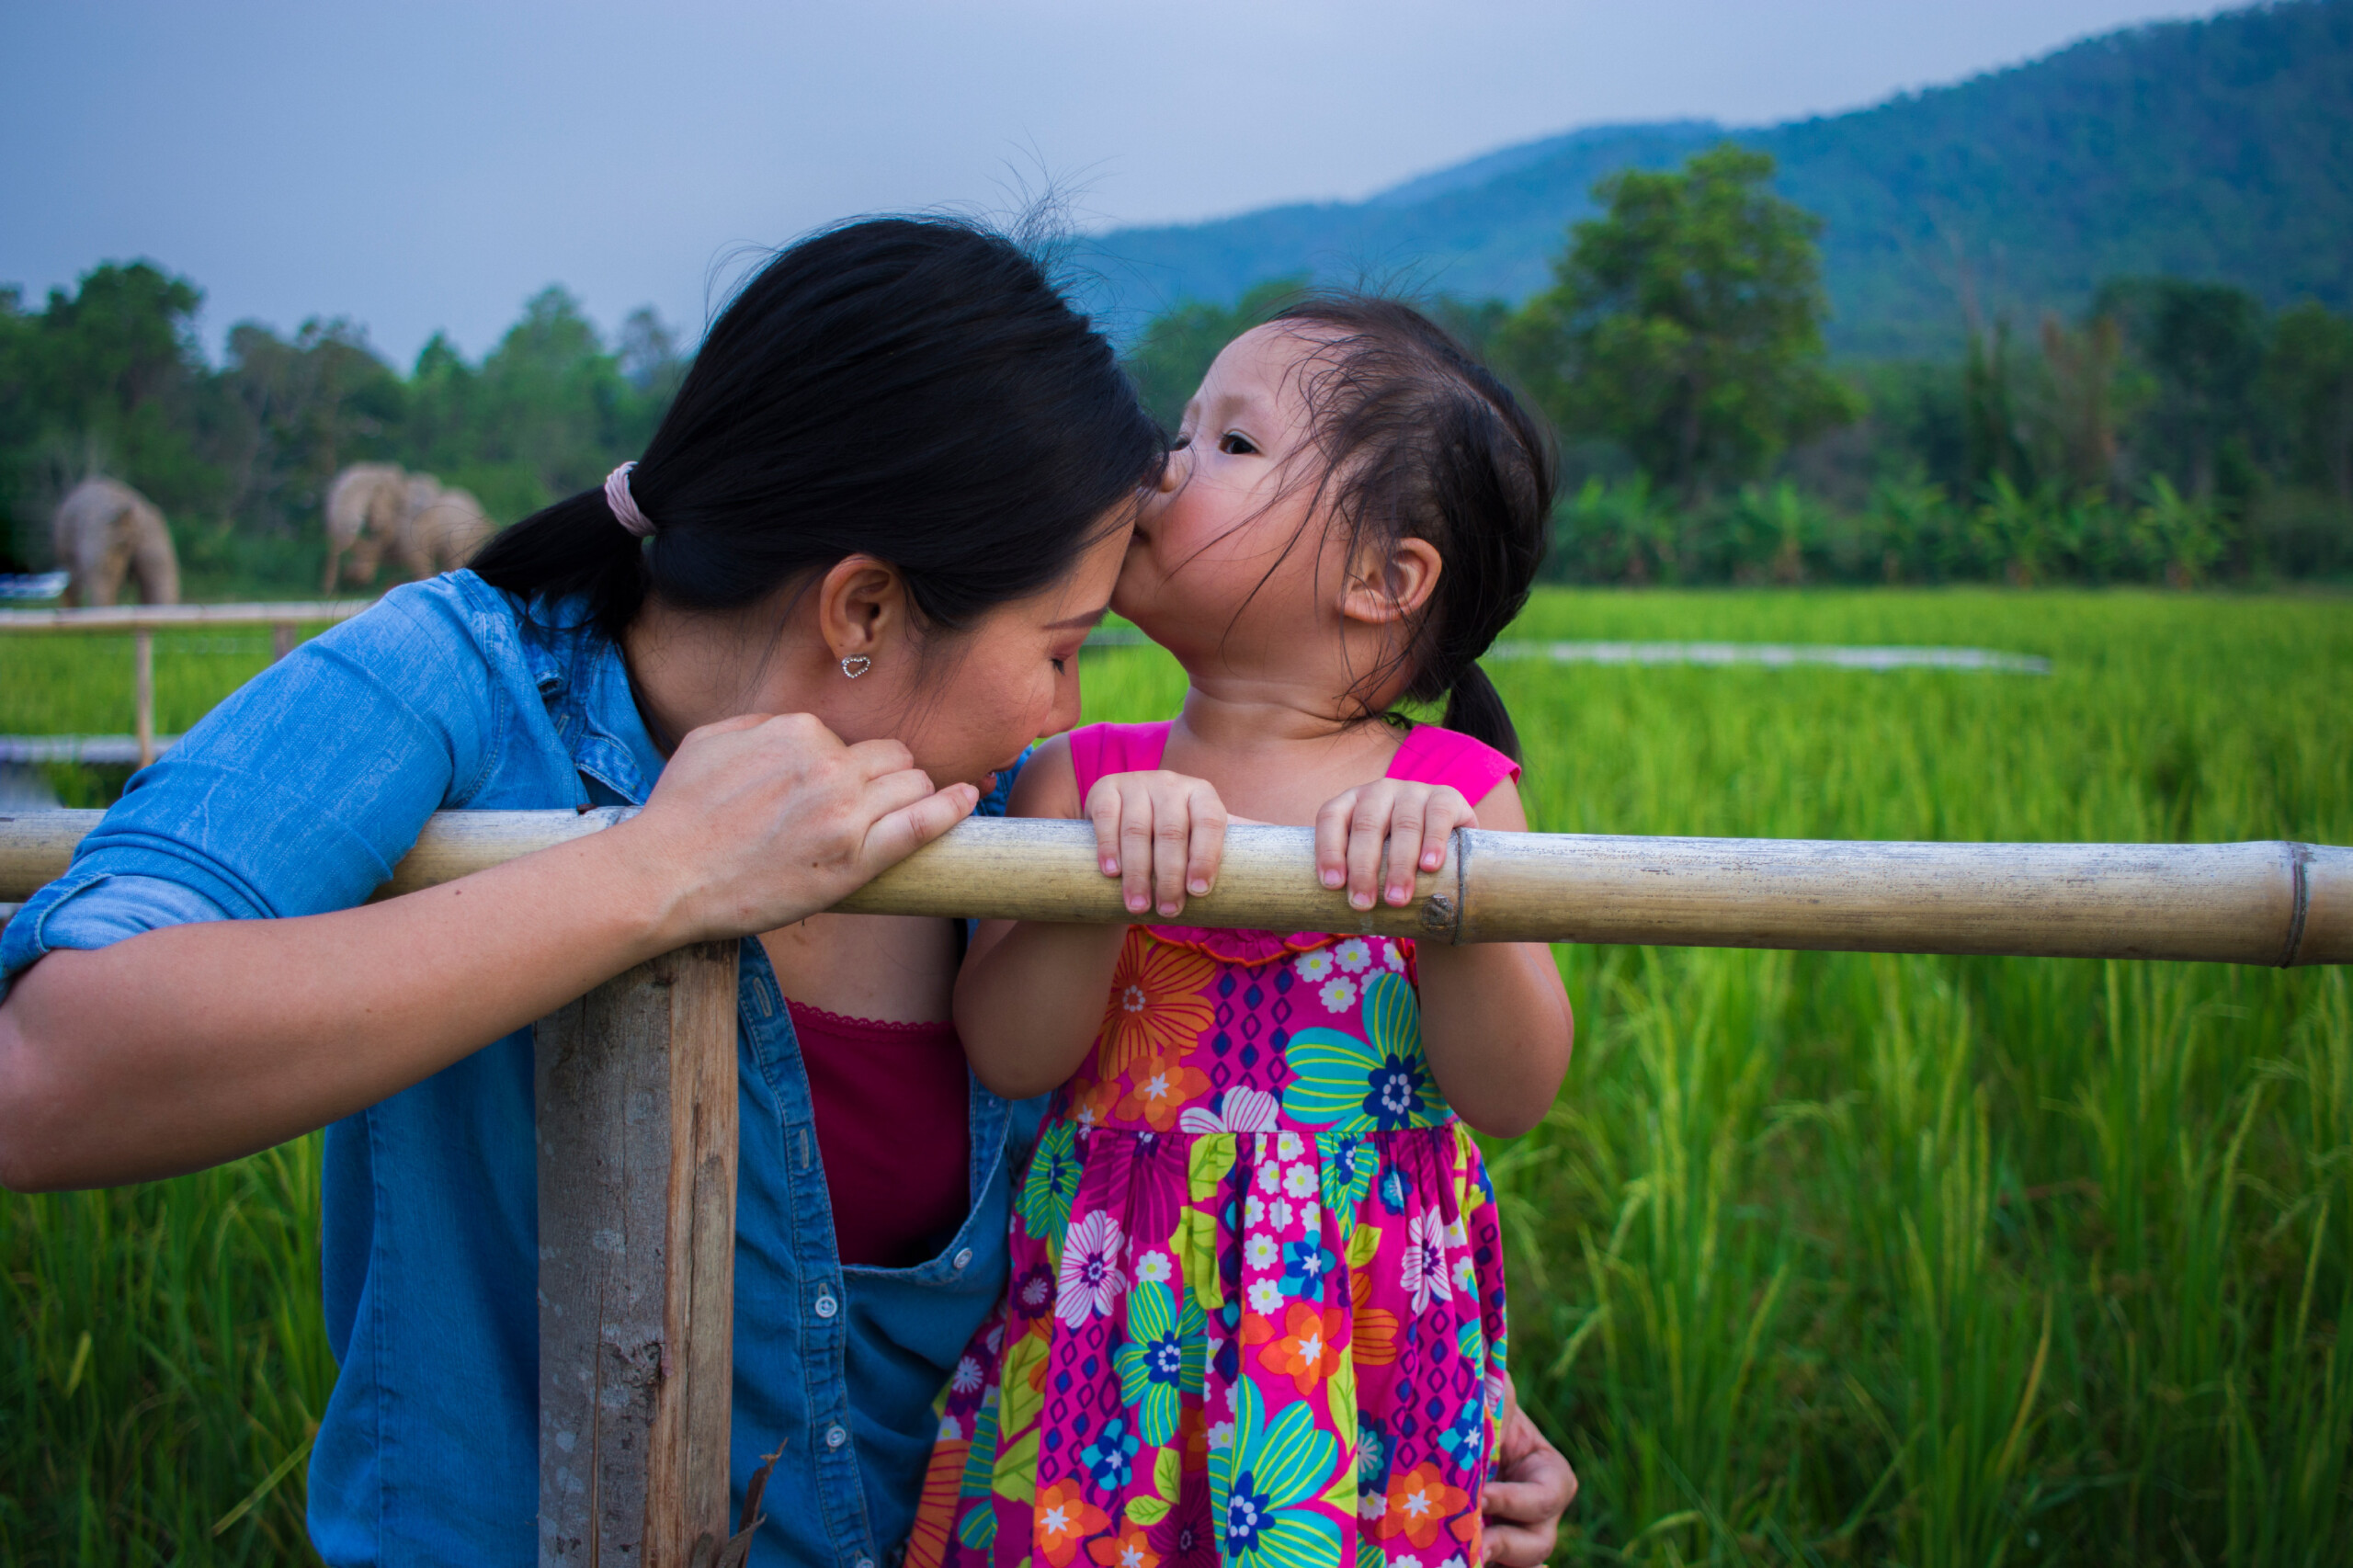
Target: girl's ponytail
{"points": [[1474, 707]]}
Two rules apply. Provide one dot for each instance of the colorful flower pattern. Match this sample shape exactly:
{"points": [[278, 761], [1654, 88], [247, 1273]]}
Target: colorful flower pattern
{"points": [[1256, 1309]]}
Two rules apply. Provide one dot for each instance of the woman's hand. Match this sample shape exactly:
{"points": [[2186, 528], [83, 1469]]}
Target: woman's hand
{"points": [[1530, 1488], [760, 821], [1356, 826], [1160, 834]]}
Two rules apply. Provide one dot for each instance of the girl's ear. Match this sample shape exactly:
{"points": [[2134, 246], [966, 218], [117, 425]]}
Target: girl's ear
{"points": [[861, 606], [1391, 583]]}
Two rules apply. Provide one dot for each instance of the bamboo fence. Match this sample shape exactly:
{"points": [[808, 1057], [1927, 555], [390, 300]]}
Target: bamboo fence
{"points": [[635, 1082]]}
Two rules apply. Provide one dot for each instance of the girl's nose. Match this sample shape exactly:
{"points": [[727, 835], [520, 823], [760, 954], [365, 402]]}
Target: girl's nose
{"points": [[1173, 472]]}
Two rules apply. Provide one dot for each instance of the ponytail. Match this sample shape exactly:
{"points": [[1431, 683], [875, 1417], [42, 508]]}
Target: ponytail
{"points": [[574, 547], [1475, 708]]}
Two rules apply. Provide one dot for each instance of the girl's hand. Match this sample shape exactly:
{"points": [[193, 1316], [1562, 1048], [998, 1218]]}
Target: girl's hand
{"points": [[1355, 825], [1160, 834], [760, 821]]}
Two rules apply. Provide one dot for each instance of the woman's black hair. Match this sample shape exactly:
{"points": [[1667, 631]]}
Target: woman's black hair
{"points": [[912, 389], [1420, 440]]}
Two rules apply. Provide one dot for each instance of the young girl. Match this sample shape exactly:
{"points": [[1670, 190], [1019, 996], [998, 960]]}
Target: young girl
{"points": [[1256, 1311]]}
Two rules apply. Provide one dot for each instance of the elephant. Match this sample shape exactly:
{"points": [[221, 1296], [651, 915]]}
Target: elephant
{"points": [[104, 529], [443, 533], [366, 506]]}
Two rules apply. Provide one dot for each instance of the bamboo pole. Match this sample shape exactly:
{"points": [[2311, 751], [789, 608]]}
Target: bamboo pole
{"points": [[176, 618], [2264, 902], [142, 692]]}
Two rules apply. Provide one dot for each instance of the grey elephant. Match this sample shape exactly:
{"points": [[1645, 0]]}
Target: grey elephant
{"points": [[368, 508], [444, 532], [104, 530]]}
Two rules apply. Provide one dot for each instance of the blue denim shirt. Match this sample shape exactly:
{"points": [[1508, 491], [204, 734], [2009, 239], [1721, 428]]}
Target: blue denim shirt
{"points": [[297, 795]]}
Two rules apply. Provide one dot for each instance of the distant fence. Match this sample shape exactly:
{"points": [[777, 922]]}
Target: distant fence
{"points": [[143, 622]]}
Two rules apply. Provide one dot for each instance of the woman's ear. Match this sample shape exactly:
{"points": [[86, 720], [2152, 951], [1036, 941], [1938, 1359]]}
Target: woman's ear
{"points": [[1391, 583], [861, 607]]}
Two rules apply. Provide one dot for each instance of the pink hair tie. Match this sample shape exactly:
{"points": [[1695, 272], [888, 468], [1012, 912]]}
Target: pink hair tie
{"points": [[624, 505]]}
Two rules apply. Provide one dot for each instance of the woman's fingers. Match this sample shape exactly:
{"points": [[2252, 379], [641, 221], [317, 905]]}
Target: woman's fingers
{"points": [[898, 834]]}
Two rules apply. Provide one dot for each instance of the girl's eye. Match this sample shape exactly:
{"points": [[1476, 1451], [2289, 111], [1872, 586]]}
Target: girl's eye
{"points": [[1237, 444], [1183, 440]]}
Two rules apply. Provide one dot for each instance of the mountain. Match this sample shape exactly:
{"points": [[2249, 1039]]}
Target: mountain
{"points": [[2218, 149]]}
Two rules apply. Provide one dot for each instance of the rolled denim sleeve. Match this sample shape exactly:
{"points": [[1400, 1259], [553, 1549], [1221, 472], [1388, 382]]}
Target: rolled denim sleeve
{"points": [[297, 795]]}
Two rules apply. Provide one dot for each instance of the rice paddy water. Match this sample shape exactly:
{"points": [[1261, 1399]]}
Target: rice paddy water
{"points": [[1818, 1258]]}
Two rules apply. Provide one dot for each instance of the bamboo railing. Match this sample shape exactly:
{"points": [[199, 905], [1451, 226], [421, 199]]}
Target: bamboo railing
{"points": [[635, 1082], [2263, 903]]}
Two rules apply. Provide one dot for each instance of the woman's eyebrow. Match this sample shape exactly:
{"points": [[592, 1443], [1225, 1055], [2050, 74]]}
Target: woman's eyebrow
{"points": [[1076, 621]]}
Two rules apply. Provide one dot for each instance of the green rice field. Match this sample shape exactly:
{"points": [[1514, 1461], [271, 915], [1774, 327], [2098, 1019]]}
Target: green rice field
{"points": [[1818, 1260]]}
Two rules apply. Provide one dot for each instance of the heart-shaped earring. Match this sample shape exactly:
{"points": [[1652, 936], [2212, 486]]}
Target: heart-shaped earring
{"points": [[855, 666]]}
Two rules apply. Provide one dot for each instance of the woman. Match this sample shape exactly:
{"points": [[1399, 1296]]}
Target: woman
{"points": [[843, 589]]}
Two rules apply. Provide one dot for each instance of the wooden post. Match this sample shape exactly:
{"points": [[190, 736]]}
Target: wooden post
{"points": [[142, 692], [636, 1090], [281, 640]]}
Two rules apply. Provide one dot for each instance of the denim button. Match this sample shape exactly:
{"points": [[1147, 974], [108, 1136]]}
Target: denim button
{"points": [[827, 1305], [836, 1437], [964, 1259]]}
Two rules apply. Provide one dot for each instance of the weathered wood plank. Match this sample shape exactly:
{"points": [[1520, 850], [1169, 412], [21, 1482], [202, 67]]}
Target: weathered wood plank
{"points": [[636, 1094]]}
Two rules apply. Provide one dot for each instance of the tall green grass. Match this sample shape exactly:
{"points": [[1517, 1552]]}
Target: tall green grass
{"points": [[1819, 1259]]}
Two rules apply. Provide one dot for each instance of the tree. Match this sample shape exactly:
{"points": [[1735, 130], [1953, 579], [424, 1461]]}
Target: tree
{"points": [[1685, 324], [308, 407], [2308, 382], [2204, 343]]}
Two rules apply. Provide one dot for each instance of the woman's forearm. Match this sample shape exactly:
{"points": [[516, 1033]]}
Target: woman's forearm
{"points": [[194, 1044], [1496, 1028], [1030, 999]]}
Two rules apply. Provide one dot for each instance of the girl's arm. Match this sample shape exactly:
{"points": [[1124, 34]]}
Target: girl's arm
{"points": [[1495, 1020], [186, 1046], [1030, 997]]}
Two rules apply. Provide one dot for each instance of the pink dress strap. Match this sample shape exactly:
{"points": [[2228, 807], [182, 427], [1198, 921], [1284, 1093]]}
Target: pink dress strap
{"points": [[1099, 749], [1432, 754]]}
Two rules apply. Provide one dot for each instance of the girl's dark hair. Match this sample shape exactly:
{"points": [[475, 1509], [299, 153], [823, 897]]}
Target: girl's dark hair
{"points": [[1420, 440], [912, 389]]}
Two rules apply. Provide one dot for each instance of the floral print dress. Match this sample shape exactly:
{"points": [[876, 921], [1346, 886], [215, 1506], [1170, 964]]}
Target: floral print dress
{"points": [[1256, 1309]]}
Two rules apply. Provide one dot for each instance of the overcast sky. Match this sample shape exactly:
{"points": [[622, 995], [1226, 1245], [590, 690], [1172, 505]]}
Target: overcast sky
{"points": [[429, 166]]}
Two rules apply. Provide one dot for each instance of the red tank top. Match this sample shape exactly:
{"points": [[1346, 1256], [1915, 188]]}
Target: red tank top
{"points": [[893, 1111]]}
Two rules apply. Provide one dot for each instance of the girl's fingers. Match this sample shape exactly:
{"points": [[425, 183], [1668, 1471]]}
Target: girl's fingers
{"points": [[1332, 838], [1367, 831], [1406, 846], [1449, 814], [1172, 832], [1208, 846], [1135, 850], [1103, 810]]}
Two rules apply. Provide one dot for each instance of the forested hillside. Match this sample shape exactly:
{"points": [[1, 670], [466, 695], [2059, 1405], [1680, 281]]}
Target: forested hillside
{"points": [[2219, 150]]}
